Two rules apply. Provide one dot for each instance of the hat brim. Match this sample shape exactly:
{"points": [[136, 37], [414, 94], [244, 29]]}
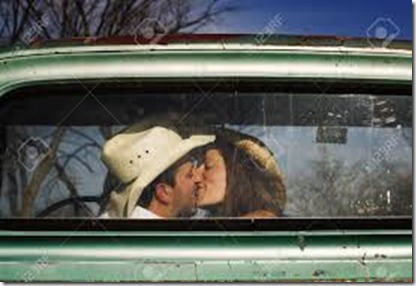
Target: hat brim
{"points": [[153, 171]]}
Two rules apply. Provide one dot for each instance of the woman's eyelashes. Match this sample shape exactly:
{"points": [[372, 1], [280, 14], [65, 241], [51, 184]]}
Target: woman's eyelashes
{"points": [[208, 165]]}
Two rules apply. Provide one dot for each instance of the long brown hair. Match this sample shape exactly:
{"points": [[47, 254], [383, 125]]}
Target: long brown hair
{"points": [[249, 187]]}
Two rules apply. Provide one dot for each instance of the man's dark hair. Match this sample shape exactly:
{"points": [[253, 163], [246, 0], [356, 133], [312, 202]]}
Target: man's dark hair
{"points": [[167, 177]]}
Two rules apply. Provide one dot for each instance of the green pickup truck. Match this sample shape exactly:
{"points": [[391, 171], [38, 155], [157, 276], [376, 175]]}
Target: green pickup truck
{"points": [[335, 112]]}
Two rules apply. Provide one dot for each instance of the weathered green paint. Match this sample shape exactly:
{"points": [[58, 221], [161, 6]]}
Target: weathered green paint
{"points": [[206, 256], [69, 64]]}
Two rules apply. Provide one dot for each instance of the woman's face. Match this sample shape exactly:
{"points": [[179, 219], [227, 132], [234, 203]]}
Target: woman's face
{"points": [[214, 179]]}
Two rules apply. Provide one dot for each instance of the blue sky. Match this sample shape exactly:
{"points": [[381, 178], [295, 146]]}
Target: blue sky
{"points": [[319, 17]]}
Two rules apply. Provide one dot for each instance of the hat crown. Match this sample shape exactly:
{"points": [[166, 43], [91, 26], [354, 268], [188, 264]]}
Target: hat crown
{"points": [[138, 151], [137, 158]]}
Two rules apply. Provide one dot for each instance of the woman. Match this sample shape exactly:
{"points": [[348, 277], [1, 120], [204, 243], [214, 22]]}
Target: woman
{"points": [[241, 178]]}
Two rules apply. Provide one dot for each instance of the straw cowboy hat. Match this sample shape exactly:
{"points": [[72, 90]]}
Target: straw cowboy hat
{"points": [[252, 146], [137, 158]]}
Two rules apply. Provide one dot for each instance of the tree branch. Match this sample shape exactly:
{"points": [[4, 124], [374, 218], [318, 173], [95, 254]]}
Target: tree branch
{"points": [[73, 155], [84, 21], [63, 177], [39, 174], [77, 200]]}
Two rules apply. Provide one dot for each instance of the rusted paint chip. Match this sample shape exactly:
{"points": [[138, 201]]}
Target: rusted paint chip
{"points": [[318, 273]]}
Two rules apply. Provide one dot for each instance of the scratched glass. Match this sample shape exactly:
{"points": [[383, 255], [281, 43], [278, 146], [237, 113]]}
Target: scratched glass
{"points": [[341, 155]]}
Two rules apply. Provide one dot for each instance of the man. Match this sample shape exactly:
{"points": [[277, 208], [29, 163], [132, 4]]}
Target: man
{"points": [[158, 173]]}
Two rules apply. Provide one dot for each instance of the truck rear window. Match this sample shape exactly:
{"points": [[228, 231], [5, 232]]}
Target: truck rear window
{"points": [[339, 153]]}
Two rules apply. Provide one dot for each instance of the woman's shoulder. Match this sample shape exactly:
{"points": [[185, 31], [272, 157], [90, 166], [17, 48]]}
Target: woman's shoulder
{"points": [[260, 214]]}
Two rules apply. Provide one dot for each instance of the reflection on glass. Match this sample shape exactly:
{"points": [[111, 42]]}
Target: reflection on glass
{"points": [[336, 155]]}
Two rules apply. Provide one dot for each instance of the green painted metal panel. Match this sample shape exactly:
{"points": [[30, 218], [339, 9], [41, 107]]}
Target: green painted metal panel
{"points": [[375, 255], [108, 63], [217, 271], [200, 256]]}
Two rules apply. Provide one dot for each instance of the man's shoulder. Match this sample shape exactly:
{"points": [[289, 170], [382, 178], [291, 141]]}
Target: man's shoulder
{"points": [[140, 212]]}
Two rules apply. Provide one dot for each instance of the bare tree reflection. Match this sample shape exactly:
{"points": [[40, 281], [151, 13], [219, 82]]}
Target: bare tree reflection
{"points": [[27, 20]]}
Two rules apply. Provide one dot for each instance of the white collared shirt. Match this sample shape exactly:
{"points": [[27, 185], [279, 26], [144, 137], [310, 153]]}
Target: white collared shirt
{"points": [[138, 212]]}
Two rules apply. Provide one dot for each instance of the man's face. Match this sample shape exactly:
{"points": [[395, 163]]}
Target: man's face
{"points": [[185, 190]]}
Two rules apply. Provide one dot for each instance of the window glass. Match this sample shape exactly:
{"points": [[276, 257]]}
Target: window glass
{"points": [[334, 155]]}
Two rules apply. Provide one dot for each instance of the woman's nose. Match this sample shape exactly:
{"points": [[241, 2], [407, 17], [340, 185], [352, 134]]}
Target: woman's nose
{"points": [[198, 173]]}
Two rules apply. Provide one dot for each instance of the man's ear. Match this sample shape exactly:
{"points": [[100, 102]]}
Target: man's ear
{"points": [[163, 193]]}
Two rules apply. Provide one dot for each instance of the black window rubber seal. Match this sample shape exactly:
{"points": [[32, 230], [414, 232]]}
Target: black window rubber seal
{"points": [[232, 224]]}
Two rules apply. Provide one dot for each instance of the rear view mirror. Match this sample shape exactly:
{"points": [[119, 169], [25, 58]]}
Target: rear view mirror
{"points": [[331, 135]]}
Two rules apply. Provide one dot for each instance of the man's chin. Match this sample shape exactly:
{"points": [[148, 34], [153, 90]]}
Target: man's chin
{"points": [[188, 214], [201, 191]]}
